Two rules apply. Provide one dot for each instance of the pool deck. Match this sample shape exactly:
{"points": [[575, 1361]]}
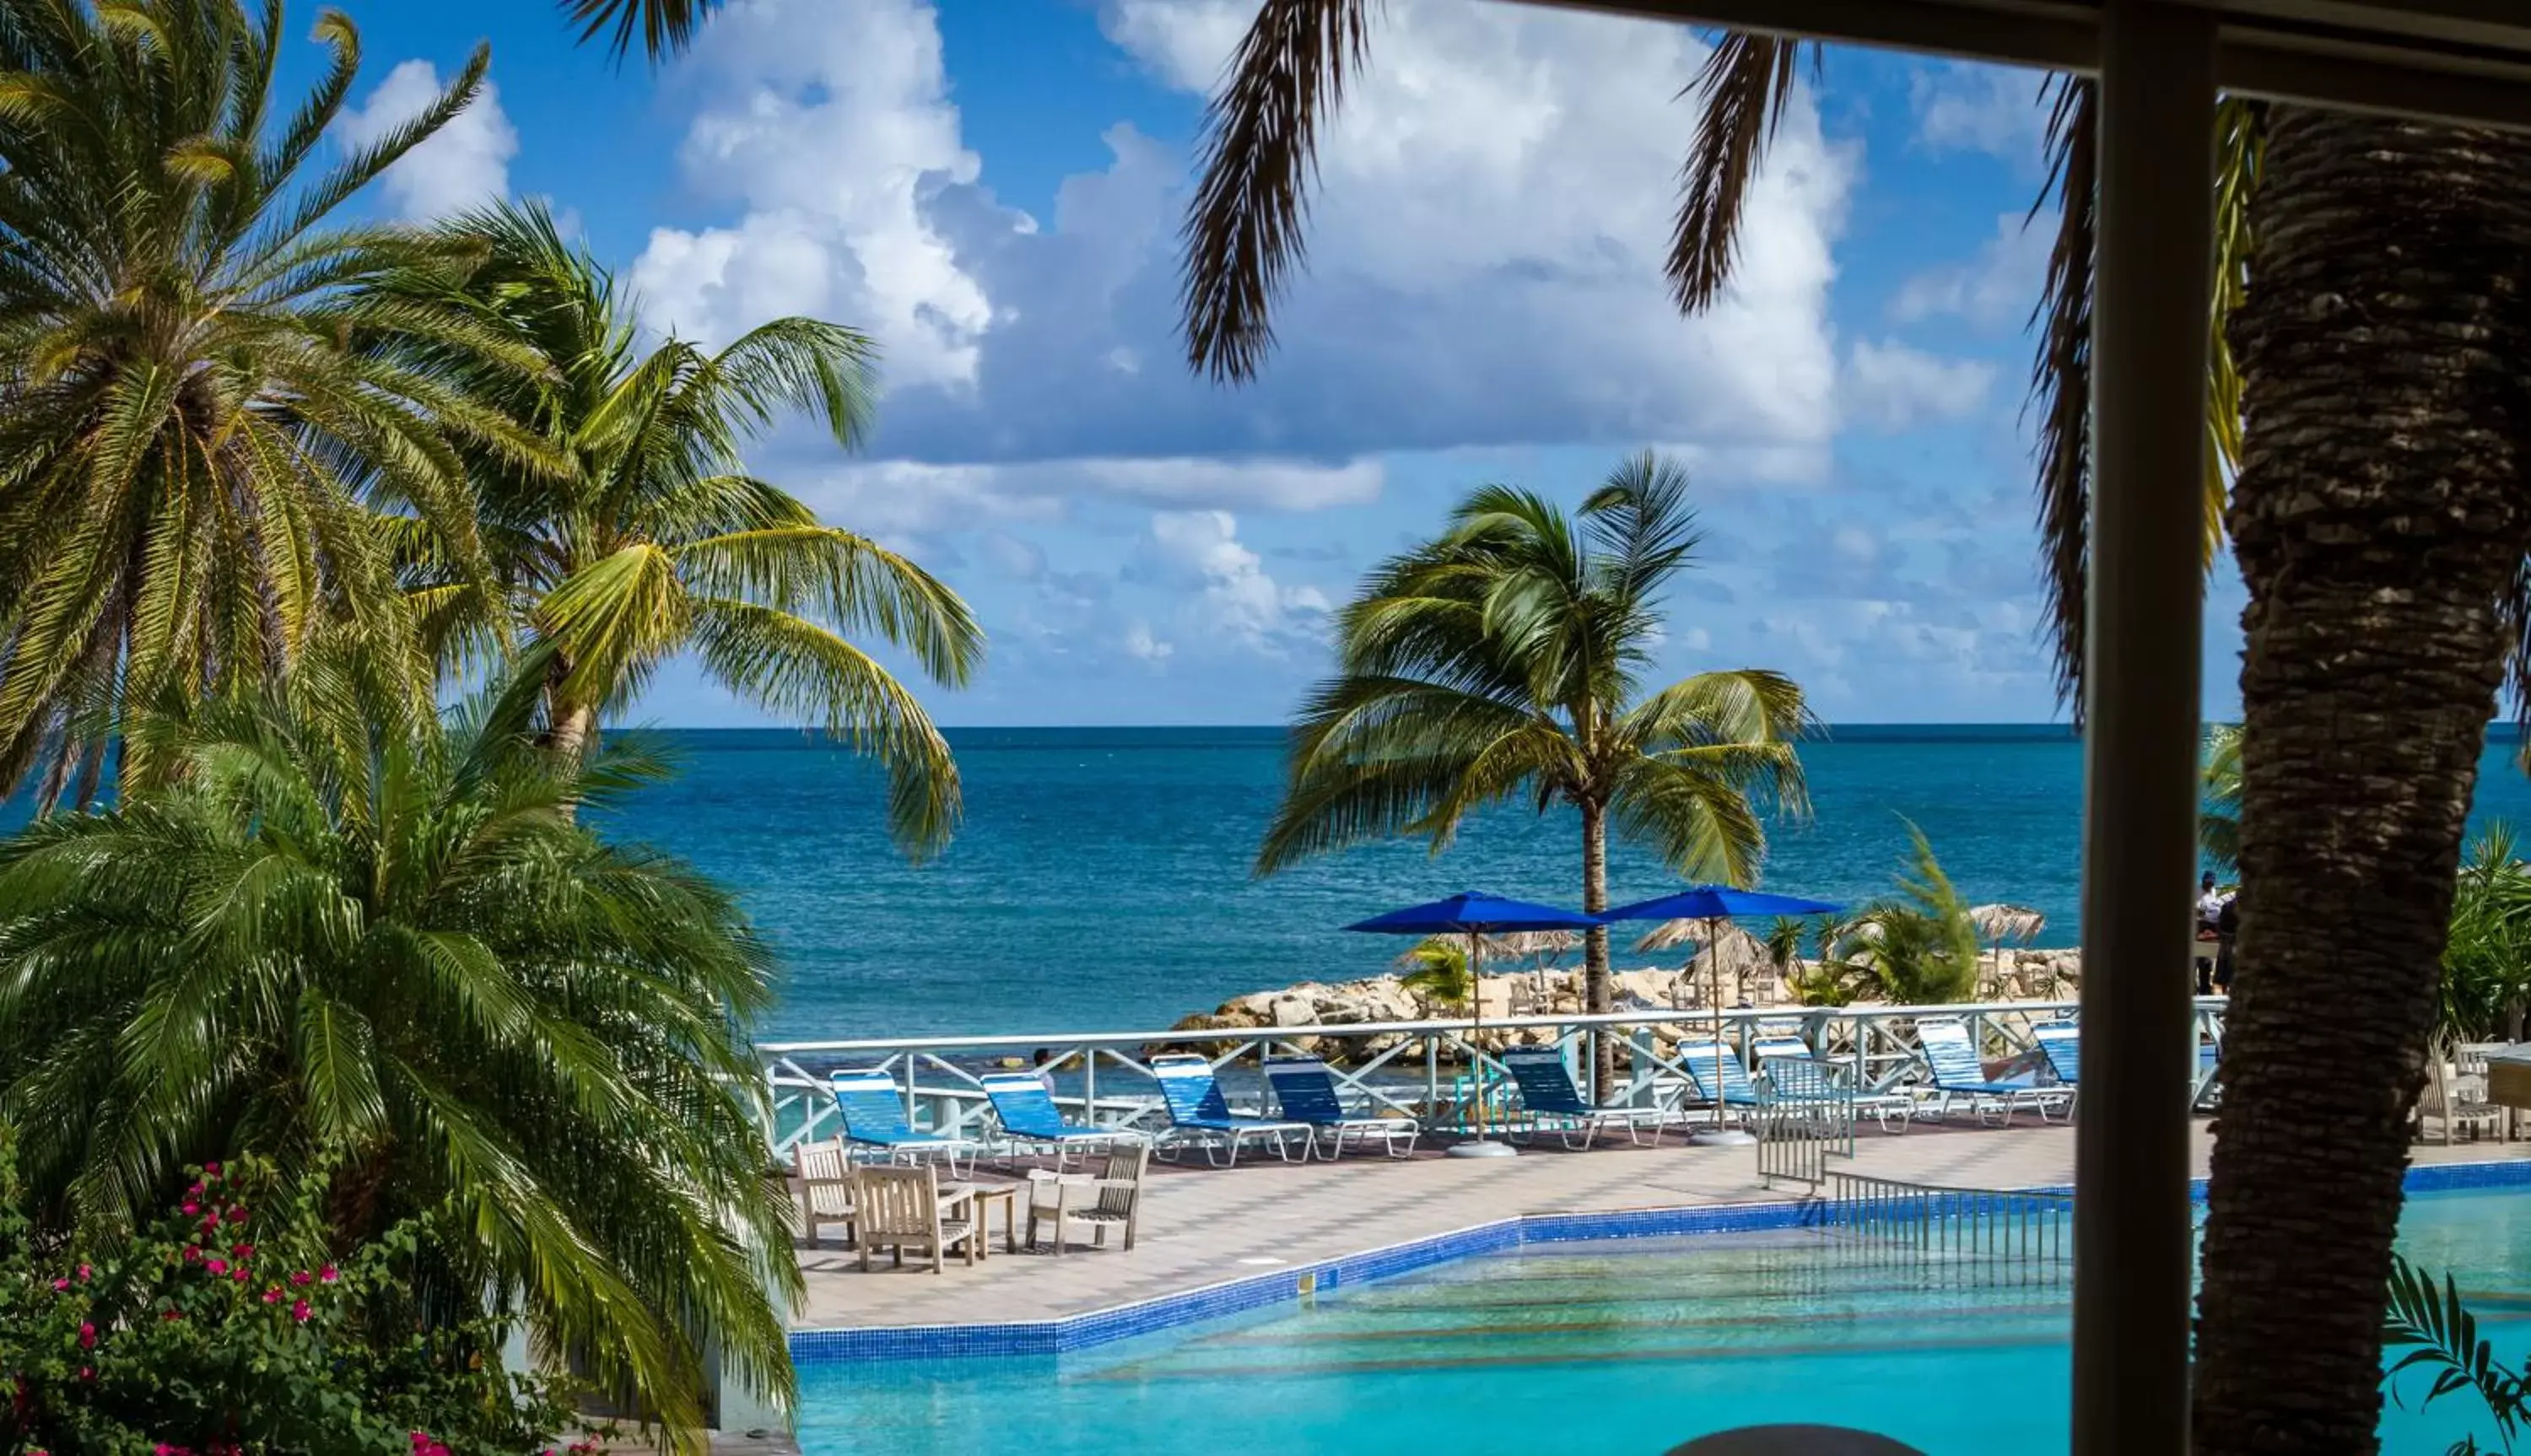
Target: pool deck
{"points": [[1202, 1226]]}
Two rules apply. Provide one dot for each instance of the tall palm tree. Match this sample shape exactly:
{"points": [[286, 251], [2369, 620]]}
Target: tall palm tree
{"points": [[653, 539], [2370, 724], [2382, 531], [188, 441], [400, 958], [1504, 660]]}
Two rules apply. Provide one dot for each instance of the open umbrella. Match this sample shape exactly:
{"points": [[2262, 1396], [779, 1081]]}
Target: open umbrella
{"points": [[1477, 916], [1717, 906], [2005, 924]]}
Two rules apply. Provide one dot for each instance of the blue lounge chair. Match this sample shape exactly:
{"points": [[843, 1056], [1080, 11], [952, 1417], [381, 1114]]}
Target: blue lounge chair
{"points": [[1777, 1054], [1960, 1077], [1721, 1082], [1199, 1115], [1550, 1102], [1307, 1092], [2060, 1044], [1030, 1118], [873, 1111]]}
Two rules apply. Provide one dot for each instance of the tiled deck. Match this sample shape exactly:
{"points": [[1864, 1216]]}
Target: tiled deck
{"points": [[1202, 1226]]}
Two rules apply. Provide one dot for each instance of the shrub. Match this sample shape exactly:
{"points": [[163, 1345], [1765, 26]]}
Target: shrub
{"points": [[223, 1329]]}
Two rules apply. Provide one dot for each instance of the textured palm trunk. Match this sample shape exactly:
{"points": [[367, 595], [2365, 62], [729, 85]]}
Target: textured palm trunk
{"points": [[1595, 945], [2378, 526], [573, 728]]}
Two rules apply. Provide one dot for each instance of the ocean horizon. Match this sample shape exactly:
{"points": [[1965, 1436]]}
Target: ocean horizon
{"points": [[1101, 877]]}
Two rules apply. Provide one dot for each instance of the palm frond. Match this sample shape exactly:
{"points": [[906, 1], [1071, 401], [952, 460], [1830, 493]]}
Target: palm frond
{"points": [[1741, 92], [1244, 227]]}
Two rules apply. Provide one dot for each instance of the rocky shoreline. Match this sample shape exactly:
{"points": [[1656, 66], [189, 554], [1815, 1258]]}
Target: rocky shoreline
{"points": [[2006, 975]]}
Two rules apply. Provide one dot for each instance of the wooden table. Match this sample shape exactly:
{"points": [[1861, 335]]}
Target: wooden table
{"points": [[982, 1197]]}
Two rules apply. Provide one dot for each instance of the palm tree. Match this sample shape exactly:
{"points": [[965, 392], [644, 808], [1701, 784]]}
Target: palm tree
{"points": [[662, 28], [188, 441], [2359, 758], [2219, 811], [1502, 660], [407, 964], [653, 539], [1917, 947]]}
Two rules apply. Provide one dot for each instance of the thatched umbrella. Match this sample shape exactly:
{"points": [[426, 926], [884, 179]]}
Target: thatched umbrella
{"points": [[1724, 949], [1536, 946], [2005, 924]]}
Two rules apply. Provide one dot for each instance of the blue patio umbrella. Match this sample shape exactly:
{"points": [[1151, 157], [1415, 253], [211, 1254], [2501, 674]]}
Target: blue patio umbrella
{"points": [[1475, 916], [1714, 904]]}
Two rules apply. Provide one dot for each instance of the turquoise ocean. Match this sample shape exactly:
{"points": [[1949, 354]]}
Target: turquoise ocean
{"points": [[1100, 879]]}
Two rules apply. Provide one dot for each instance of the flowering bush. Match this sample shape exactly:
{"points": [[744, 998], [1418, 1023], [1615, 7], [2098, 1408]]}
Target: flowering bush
{"points": [[223, 1330]]}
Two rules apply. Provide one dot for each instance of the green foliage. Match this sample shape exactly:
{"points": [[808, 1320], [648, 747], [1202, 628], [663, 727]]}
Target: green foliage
{"points": [[1917, 948], [651, 540], [2219, 811], [2441, 1338], [224, 1326], [1441, 970], [405, 961], [2486, 961], [193, 447], [1500, 660]]}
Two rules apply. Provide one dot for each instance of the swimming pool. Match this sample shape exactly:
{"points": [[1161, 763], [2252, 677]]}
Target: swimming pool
{"points": [[1635, 1344]]}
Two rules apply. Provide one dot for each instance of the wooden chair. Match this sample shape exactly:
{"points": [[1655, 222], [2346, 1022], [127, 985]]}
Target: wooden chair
{"points": [[822, 1172], [1109, 1200], [902, 1207], [2448, 1098]]}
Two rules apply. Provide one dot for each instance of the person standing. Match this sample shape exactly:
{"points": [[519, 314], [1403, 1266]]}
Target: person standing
{"points": [[2227, 924], [2210, 911]]}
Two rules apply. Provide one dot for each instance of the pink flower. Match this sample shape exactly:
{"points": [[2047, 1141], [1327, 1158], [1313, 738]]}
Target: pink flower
{"points": [[272, 1296], [328, 1275], [299, 1311], [171, 1315], [192, 1207], [216, 1265], [194, 1191], [192, 1254], [239, 1273], [241, 1250], [83, 1273], [88, 1336], [212, 1219], [301, 1277], [238, 1215], [213, 1169], [61, 1286]]}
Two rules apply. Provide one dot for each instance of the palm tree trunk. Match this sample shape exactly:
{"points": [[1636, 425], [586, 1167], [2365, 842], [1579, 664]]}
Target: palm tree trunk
{"points": [[573, 730], [2386, 351], [1595, 946]]}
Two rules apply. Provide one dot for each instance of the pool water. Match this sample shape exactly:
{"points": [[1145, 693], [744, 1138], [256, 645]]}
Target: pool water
{"points": [[1632, 1346]]}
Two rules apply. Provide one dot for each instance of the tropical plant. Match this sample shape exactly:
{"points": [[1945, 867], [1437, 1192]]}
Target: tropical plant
{"points": [[1438, 971], [661, 27], [2354, 783], [2440, 1335], [190, 440], [1502, 660], [399, 958], [2219, 787], [1917, 947], [229, 1325], [653, 540], [2487, 958]]}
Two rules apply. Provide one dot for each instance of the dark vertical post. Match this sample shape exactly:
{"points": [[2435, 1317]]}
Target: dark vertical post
{"points": [[2149, 351]]}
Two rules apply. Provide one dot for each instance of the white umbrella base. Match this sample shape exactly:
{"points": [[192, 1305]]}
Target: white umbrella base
{"points": [[1721, 1138], [1480, 1148]]}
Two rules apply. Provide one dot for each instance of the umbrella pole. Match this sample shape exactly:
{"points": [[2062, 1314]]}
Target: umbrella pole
{"points": [[1717, 1134], [1478, 1146]]}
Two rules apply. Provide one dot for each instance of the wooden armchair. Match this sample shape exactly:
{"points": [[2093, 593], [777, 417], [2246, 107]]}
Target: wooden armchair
{"points": [[1111, 1198], [903, 1207], [823, 1176]]}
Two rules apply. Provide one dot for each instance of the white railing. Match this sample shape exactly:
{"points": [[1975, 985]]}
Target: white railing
{"points": [[1418, 1068]]}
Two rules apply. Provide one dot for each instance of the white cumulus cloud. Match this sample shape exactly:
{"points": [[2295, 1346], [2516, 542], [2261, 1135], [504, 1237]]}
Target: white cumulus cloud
{"points": [[1891, 386], [1234, 596], [1998, 287], [464, 165]]}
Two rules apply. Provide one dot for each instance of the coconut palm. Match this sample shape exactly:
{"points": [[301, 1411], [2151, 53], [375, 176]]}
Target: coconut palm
{"points": [[1917, 947], [661, 27], [406, 964], [1502, 660], [2365, 703], [188, 441], [653, 539]]}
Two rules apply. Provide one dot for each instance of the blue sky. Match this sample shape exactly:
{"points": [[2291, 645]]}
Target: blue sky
{"points": [[991, 188]]}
